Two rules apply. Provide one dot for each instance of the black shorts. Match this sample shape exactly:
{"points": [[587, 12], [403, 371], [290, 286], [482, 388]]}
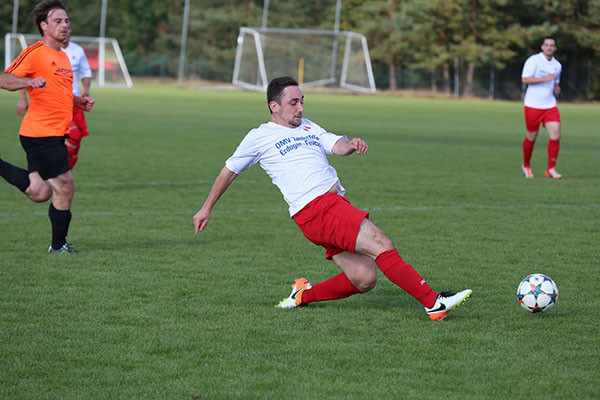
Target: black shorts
{"points": [[46, 155]]}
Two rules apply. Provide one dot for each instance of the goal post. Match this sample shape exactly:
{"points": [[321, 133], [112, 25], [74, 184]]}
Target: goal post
{"points": [[316, 57], [103, 54]]}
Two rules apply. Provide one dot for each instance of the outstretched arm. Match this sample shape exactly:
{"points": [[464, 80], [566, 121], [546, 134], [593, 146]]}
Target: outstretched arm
{"points": [[219, 187], [345, 147], [12, 82]]}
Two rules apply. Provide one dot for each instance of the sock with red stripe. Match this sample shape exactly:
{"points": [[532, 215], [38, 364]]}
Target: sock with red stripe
{"points": [[405, 276], [527, 151], [553, 148], [337, 287]]}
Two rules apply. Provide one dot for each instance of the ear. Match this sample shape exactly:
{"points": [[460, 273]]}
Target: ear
{"points": [[43, 25], [274, 107]]}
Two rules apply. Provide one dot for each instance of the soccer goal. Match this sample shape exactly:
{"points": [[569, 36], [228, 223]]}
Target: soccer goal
{"points": [[314, 57], [103, 54]]}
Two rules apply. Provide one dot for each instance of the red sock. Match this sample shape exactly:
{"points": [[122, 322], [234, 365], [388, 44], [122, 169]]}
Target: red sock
{"points": [[337, 287], [403, 275], [527, 151], [553, 147]]}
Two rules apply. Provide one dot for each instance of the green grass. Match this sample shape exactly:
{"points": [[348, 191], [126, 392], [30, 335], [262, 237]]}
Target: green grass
{"points": [[152, 311]]}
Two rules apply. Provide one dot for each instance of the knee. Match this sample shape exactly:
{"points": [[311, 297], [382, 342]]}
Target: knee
{"points": [[383, 244], [66, 190], [366, 281], [39, 193]]}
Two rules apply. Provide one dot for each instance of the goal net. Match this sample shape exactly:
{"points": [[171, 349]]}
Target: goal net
{"points": [[314, 57], [103, 54]]}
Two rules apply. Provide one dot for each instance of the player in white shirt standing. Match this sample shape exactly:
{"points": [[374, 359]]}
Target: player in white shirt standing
{"points": [[293, 151], [541, 74], [81, 71]]}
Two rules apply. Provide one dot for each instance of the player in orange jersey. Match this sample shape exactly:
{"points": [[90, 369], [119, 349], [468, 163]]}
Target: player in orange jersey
{"points": [[45, 71]]}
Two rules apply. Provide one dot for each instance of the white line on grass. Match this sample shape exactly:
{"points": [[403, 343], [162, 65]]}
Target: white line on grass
{"points": [[155, 183], [270, 210]]}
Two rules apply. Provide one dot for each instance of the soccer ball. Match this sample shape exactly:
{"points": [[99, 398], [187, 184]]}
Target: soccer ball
{"points": [[537, 293]]}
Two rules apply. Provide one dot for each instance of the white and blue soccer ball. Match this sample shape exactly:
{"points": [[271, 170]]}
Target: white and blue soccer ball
{"points": [[537, 293]]}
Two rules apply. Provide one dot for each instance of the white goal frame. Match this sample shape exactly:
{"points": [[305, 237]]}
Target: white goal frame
{"points": [[262, 80], [100, 80]]}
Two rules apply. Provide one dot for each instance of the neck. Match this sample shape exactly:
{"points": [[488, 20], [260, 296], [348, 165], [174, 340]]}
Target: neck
{"points": [[52, 43]]}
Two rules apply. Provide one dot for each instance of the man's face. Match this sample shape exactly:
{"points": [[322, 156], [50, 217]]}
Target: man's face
{"points": [[57, 25], [289, 112], [549, 48]]}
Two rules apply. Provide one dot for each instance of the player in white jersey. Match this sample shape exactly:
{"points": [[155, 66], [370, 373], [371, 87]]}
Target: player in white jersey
{"points": [[293, 151], [541, 74], [81, 71]]}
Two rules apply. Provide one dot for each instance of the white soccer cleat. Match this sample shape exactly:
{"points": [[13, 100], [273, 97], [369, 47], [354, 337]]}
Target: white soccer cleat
{"points": [[552, 173], [295, 299], [446, 302], [526, 171]]}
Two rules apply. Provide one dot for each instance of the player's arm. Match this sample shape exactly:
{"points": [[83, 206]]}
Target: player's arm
{"points": [[85, 90], [23, 103], [556, 89], [345, 147], [85, 103], [532, 80], [12, 82], [222, 182]]}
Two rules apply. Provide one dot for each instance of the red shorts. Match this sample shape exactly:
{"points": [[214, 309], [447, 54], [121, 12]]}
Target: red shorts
{"points": [[78, 127], [332, 222], [536, 116]]}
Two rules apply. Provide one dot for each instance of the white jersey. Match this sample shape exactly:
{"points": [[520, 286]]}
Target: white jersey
{"points": [[294, 158], [79, 64], [541, 95]]}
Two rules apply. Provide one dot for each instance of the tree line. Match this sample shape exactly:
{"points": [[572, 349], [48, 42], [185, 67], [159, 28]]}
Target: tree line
{"points": [[424, 35]]}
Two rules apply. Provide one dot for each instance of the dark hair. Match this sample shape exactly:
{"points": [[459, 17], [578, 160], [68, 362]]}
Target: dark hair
{"points": [[549, 38], [275, 89], [41, 11]]}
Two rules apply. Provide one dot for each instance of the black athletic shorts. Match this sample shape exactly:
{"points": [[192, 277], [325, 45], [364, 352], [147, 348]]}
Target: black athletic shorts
{"points": [[46, 155]]}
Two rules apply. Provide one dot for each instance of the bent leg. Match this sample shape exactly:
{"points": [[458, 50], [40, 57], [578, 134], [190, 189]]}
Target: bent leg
{"points": [[14, 175], [360, 270], [38, 189], [372, 242]]}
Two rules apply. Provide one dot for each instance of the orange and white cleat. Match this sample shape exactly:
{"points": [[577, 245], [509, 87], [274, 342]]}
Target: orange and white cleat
{"points": [[446, 302], [526, 171], [552, 173], [295, 299]]}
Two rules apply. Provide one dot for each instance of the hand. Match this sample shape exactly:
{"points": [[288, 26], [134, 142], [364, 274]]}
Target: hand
{"points": [[549, 78], [38, 82], [556, 90], [359, 145], [85, 103], [22, 107], [201, 219]]}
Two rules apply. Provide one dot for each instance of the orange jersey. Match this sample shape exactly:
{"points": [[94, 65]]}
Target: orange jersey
{"points": [[50, 109]]}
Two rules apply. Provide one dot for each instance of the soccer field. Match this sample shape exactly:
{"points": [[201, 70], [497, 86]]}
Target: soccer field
{"points": [[150, 310]]}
